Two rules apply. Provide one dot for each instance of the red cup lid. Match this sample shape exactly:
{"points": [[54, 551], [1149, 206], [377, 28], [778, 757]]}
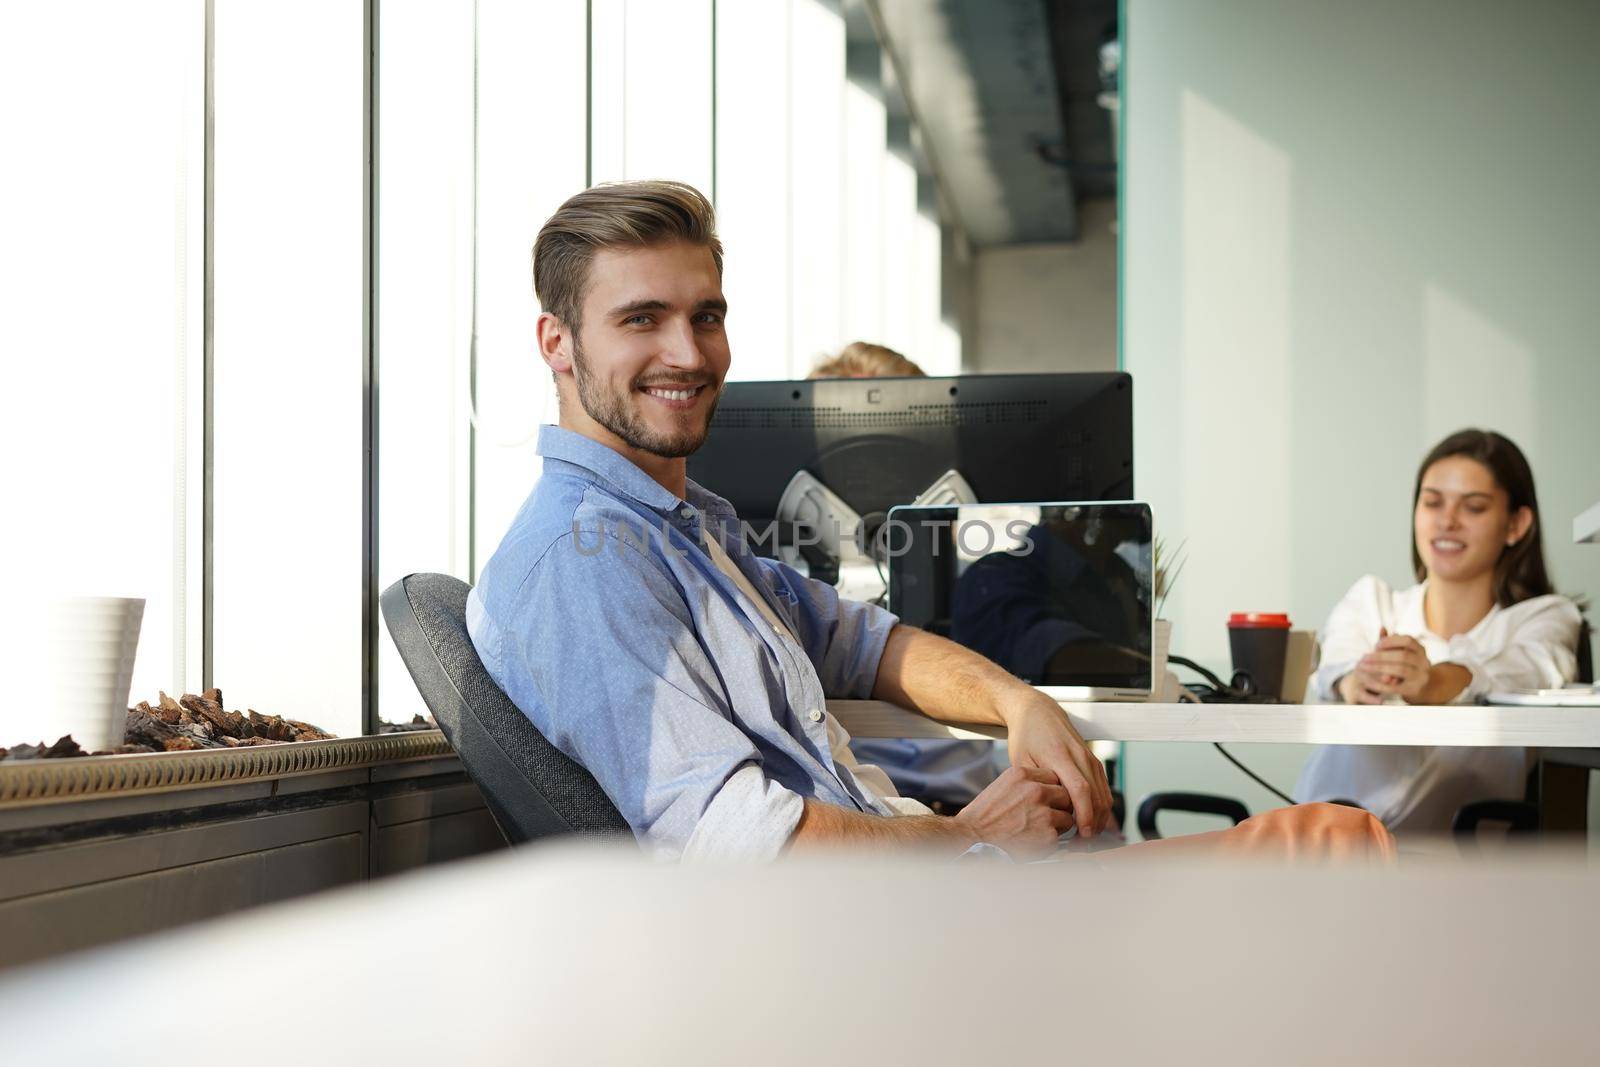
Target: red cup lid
{"points": [[1257, 620]]}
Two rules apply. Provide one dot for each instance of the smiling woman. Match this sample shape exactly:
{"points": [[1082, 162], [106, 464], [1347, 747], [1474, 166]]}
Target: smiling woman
{"points": [[1483, 617]]}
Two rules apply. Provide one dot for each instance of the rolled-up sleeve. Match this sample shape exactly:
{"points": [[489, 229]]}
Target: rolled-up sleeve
{"points": [[750, 818], [842, 638], [626, 688], [1350, 633], [1539, 653]]}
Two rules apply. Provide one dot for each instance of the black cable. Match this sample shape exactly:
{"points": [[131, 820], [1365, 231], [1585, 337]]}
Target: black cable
{"points": [[1221, 686], [876, 547], [882, 599], [1242, 689], [1253, 776]]}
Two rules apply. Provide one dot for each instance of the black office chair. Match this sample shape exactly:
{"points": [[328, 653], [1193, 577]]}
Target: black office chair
{"points": [[531, 788], [1193, 803], [1522, 817]]}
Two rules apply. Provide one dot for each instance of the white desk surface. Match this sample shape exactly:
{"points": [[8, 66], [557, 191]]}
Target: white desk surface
{"points": [[1324, 724]]}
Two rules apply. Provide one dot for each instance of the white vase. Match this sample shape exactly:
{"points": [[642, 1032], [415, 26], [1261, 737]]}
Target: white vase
{"points": [[89, 648], [1163, 683]]}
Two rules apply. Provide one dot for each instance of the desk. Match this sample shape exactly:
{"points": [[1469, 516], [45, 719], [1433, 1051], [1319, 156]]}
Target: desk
{"points": [[1567, 737], [1313, 724]]}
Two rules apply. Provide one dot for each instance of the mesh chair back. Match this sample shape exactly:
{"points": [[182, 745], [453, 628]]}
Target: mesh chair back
{"points": [[532, 788]]}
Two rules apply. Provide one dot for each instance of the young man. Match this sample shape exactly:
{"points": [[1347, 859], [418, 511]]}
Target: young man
{"points": [[624, 614]]}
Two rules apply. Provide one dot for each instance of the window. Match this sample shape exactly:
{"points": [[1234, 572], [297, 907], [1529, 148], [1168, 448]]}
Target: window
{"points": [[102, 327], [752, 188], [478, 145], [288, 242], [817, 179], [207, 434], [651, 79], [532, 146], [425, 216]]}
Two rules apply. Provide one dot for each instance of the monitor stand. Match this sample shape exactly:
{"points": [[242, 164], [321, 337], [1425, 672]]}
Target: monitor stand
{"points": [[825, 524]]}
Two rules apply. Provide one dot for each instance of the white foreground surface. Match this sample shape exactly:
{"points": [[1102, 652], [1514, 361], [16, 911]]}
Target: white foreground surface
{"points": [[586, 954]]}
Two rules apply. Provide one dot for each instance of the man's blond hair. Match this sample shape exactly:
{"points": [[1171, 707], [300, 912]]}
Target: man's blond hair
{"points": [[614, 215], [862, 359]]}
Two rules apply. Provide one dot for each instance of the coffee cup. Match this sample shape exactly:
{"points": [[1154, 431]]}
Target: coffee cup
{"points": [[1260, 644]]}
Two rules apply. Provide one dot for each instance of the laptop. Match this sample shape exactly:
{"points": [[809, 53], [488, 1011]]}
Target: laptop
{"points": [[1060, 594]]}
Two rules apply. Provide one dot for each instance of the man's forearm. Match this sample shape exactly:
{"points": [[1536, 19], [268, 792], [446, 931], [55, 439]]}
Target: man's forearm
{"points": [[822, 825], [943, 680]]}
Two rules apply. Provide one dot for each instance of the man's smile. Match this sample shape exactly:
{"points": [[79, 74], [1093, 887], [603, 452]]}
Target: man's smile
{"points": [[675, 397]]}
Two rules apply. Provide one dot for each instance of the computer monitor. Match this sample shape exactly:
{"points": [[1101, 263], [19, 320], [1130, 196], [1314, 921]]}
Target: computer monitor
{"points": [[880, 442], [1059, 594]]}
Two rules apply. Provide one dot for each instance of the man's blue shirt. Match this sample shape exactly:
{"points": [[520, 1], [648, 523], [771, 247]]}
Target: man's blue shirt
{"points": [[605, 620]]}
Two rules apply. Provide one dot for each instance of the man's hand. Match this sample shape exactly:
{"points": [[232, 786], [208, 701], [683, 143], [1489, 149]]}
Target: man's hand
{"points": [[1024, 811], [1040, 737], [942, 680]]}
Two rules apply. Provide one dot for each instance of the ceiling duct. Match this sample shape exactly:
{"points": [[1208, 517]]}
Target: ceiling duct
{"points": [[1004, 94]]}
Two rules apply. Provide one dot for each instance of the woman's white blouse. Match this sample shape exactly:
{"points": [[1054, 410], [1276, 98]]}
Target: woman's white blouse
{"points": [[1525, 646]]}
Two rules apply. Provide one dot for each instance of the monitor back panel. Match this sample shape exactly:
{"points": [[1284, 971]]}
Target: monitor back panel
{"points": [[878, 442]]}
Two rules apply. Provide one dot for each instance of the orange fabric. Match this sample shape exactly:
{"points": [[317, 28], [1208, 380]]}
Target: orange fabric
{"points": [[1315, 832]]}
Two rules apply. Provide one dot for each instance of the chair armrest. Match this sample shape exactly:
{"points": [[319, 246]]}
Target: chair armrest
{"points": [[1197, 803]]}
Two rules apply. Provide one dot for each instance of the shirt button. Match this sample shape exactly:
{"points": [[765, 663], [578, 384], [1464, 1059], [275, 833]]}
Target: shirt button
{"points": [[814, 715], [687, 512]]}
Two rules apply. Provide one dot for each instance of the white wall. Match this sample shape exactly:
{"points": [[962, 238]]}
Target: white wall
{"points": [[1348, 233], [1049, 307]]}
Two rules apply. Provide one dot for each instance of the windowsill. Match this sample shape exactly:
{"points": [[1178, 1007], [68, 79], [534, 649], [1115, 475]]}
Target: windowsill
{"points": [[54, 781]]}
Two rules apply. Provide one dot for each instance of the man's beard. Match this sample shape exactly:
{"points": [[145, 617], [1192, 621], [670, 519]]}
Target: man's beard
{"points": [[614, 411]]}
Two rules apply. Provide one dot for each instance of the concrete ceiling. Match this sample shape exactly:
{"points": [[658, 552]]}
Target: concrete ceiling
{"points": [[1004, 93]]}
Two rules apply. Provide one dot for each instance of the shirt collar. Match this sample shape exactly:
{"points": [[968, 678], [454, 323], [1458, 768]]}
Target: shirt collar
{"points": [[609, 467]]}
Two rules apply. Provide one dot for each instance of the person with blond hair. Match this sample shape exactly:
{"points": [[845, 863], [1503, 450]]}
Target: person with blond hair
{"points": [[863, 359]]}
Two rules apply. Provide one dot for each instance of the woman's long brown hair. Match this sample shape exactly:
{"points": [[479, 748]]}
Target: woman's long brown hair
{"points": [[1520, 572]]}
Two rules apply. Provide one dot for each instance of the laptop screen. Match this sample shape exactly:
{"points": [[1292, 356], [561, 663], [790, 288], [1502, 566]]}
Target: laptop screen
{"points": [[1058, 594]]}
